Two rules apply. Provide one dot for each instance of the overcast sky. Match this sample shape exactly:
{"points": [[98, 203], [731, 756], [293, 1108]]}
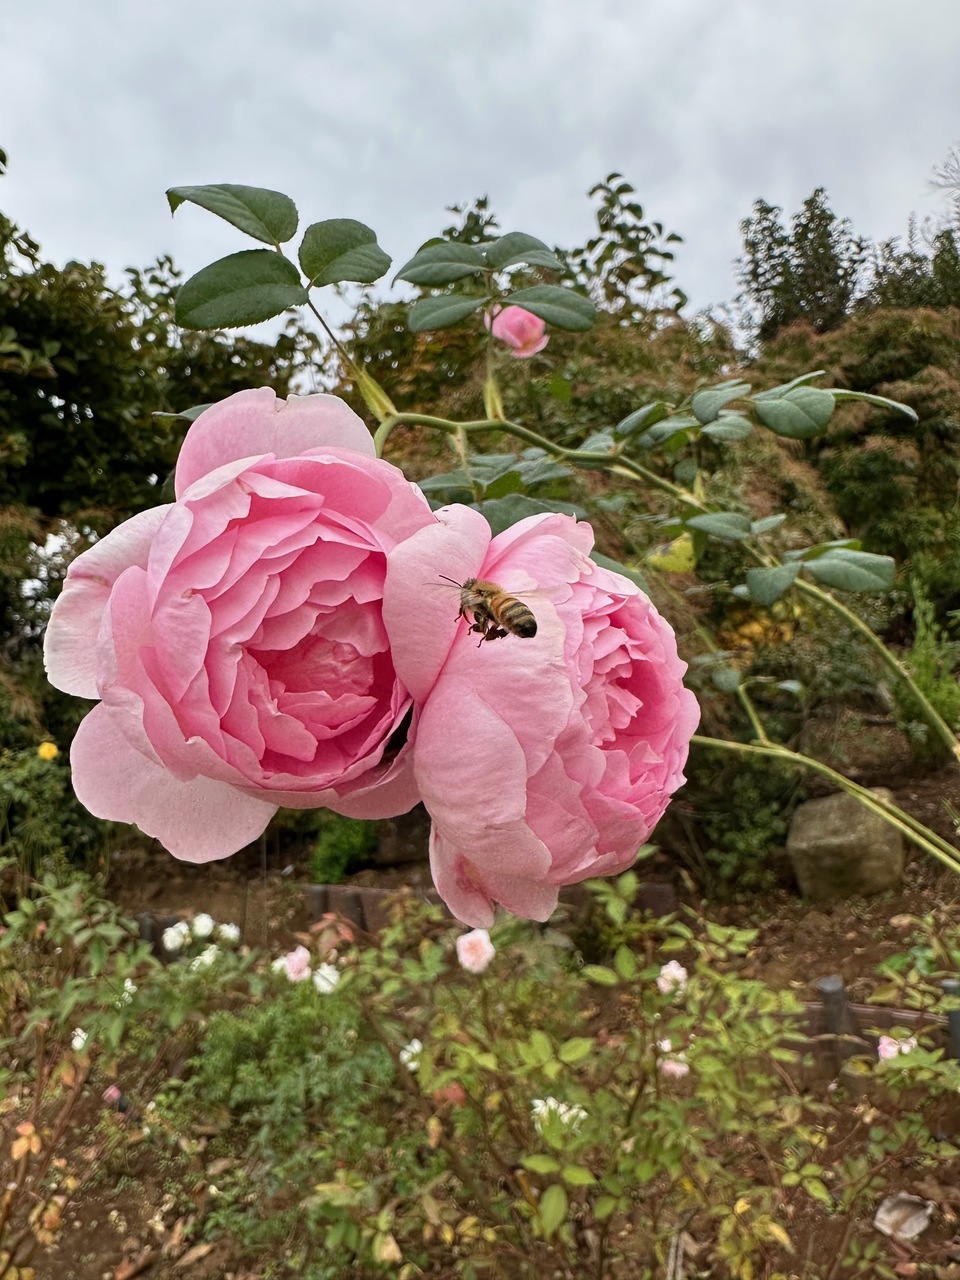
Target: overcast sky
{"points": [[389, 112]]}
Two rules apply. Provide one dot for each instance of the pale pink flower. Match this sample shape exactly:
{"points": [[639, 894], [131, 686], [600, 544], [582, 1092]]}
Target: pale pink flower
{"points": [[111, 1095], [521, 330], [672, 1066], [888, 1047], [672, 977], [475, 950], [295, 964], [542, 760], [235, 637]]}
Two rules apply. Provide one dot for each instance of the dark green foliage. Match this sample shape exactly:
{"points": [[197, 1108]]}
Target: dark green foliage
{"points": [[743, 811], [812, 272], [344, 845]]}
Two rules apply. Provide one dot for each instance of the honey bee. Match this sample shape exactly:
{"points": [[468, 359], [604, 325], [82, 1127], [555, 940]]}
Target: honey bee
{"points": [[495, 612]]}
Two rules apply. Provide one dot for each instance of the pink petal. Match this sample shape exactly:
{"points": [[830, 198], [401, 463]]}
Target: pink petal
{"points": [[70, 643], [252, 423], [419, 608], [198, 820]]}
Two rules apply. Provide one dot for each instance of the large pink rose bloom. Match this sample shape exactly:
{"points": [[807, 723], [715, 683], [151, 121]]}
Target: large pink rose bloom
{"points": [[542, 760], [235, 637]]}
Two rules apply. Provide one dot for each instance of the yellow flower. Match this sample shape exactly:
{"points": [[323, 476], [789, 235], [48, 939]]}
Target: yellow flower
{"points": [[48, 751]]}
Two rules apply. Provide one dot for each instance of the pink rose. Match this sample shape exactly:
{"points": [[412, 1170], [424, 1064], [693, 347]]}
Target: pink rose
{"points": [[475, 950], [543, 760], [521, 330], [295, 964], [673, 1066], [235, 637]]}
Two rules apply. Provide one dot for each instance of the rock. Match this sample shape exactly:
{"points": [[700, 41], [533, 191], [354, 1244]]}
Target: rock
{"points": [[838, 848]]}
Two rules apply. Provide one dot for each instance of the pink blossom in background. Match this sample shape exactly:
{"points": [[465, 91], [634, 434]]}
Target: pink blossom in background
{"points": [[295, 964], [888, 1047], [542, 761], [673, 1066], [111, 1095], [235, 638], [475, 950], [521, 330]]}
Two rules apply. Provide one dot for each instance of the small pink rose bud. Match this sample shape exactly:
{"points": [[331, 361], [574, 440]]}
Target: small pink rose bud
{"points": [[521, 330]]}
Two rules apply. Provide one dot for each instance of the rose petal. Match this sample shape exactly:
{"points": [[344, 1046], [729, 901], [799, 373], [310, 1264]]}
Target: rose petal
{"points": [[69, 648], [198, 821], [255, 422]]}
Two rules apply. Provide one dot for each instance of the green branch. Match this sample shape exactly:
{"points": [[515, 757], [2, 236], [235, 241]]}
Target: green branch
{"points": [[907, 825]]}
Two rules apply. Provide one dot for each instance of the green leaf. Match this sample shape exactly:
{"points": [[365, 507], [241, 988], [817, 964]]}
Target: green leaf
{"points": [[729, 525], [706, 404], [881, 401], [601, 975], [439, 264], [541, 1046], [560, 307], [553, 1208], [244, 288], [541, 1164], [775, 393], [729, 426], [625, 963], [341, 249], [726, 679], [667, 429], [185, 415], [800, 414], [767, 523], [577, 1176], [605, 1207], [853, 570], [440, 313], [605, 562], [642, 418], [516, 247], [503, 513], [766, 586], [266, 215], [575, 1049]]}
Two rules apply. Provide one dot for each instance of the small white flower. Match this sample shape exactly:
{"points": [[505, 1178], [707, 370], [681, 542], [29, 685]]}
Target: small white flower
{"points": [[672, 977], [206, 957], [79, 1039], [126, 995], [569, 1114], [202, 925], [176, 937], [326, 977], [229, 933], [410, 1055]]}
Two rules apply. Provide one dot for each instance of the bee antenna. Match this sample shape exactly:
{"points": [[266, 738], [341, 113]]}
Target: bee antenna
{"points": [[450, 580]]}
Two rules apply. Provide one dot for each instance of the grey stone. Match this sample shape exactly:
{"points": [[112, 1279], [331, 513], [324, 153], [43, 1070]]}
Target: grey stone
{"points": [[838, 848]]}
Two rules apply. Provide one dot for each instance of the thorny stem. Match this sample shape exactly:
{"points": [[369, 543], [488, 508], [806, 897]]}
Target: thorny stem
{"points": [[907, 825]]}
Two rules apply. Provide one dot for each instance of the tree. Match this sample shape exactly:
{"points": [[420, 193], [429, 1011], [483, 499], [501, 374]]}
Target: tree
{"points": [[814, 272]]}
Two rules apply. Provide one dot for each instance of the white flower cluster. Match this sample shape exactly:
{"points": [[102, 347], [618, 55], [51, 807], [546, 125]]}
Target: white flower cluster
{"points": [[179, 937], [410, 1055], [569, 1114]]}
